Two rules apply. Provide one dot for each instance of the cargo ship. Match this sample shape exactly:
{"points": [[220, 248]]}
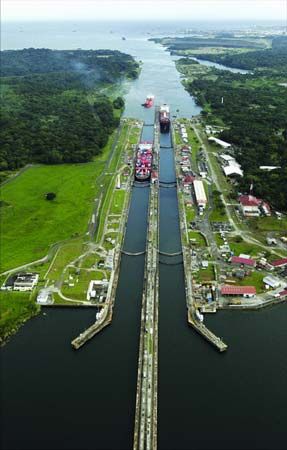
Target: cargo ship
{"points": [[149, 101], [164, 118], [143, 164]]}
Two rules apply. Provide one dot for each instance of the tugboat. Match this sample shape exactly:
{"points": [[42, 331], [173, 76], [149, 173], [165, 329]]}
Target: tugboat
{"points": [[143, 164], [149, 101], [164, 118]]}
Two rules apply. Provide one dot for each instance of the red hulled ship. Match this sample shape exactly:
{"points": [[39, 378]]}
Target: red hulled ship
{"points": [[143, 164], [149, 101]]}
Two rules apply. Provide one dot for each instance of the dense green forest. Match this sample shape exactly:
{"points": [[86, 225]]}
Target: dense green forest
{"points": [[46, 115], [256, 117], [275, 57], [254, 110], [106, 65]]}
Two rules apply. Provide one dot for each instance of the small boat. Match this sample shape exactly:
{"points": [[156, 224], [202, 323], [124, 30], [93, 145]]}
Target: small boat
{"points": [[198, 315], [149, 101]]}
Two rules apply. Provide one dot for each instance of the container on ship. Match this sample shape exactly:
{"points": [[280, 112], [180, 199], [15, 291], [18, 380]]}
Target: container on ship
{"points": [[143, 164], [164, 118], [149, 101]]}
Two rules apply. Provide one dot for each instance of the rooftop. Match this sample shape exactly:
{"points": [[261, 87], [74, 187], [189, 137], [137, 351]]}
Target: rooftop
{"points": [[240, 260], [279, 262], [220, 142], [249, 200], [238, 290]]}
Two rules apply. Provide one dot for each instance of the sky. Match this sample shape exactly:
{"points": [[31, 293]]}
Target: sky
{"points": [[209, 10]]}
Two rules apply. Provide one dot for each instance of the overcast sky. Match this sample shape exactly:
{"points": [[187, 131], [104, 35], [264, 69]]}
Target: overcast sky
{"points": [[143, 9]]}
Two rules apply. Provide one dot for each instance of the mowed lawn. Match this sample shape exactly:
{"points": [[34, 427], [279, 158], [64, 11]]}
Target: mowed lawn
{"points": [[30, 223]]}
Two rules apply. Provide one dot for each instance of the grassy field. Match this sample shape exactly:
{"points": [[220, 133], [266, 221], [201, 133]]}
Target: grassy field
{"points": [[254, 279], [269, 224], [66, 254], [206, 275], [31, 224], [199, 238], [80, 283], [244, 247]]}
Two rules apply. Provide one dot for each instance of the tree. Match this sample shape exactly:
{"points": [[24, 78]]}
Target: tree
{"points": [[50, 196], [118, 103]]}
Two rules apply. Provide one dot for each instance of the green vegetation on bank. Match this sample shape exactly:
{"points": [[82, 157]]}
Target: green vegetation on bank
{"points": [[253, 112], [47, 112], [272, 58], [31, 224], [178, 44], [16, 308]]}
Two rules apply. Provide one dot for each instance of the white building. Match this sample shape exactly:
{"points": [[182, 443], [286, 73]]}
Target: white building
{"points": [[231, 166], [200, 194], [219, 142], [271, 281], [232, 169], [44, 297], [26, 281], [96, 285]]}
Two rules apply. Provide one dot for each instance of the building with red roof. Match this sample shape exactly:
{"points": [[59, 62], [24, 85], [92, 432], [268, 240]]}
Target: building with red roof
{"points": [[245, 291], [252, 206], [188, 180], [279, 262], [243, 261]]}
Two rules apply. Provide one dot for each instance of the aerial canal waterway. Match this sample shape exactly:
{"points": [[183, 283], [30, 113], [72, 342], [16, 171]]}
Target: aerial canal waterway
{"points": [[208, 63], [56, 398]]}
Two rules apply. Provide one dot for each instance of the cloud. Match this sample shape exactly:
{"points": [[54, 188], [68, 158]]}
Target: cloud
{"points": [[143, 9]]}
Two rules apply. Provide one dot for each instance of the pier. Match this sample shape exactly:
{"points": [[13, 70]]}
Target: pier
{"points": [[187, 265], [145, 429], [205, 332]]}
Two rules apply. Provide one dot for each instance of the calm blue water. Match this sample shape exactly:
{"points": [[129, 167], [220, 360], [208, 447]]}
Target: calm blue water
{"points": [[54, 398], [220, 66]]}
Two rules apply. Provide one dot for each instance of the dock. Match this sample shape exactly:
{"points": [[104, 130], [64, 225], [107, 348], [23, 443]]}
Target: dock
{"points": [[94, 329], [187, 264], [206, 333], [145, 429]]}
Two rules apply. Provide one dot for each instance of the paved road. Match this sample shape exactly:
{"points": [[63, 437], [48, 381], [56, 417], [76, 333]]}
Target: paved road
{"points": [[245, 235]]}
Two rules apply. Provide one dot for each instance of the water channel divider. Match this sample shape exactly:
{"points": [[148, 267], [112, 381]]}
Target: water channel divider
{"points": [[145, 429]]}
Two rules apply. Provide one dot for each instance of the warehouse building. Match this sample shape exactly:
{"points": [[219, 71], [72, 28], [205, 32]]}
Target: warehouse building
{"points": [[200, 194], [244, 261], [241, 291]]}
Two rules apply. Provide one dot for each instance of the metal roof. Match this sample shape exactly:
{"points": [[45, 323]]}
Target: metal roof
{"points": [[238, 290], [279, 262], [246, 261]]}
